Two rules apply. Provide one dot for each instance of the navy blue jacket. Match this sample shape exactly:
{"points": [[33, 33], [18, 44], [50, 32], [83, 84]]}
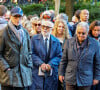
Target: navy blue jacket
{"points": [[38, 57]]}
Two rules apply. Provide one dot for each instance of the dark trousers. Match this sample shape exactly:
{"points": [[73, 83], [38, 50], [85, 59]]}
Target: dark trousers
{"points": [[75, 87], [13, 88], [96, 87]]}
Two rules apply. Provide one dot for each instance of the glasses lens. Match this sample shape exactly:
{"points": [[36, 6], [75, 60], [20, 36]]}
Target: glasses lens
{"points": [[17, 16]]}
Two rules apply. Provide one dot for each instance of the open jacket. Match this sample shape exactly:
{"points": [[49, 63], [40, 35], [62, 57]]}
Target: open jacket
{"points": [[17, 57], [38, 58], [83, 68]]}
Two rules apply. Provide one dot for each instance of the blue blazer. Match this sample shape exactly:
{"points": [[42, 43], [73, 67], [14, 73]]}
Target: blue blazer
{"points": [[38, 57], [84, 68]]}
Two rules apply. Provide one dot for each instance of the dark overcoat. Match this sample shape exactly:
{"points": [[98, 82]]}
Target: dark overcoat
{"points": [[17, 57], [38, 57]]}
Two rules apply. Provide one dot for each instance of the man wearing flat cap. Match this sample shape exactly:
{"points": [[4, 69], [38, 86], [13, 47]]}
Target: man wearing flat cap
{"points": [[15, 54], [46, 55]]}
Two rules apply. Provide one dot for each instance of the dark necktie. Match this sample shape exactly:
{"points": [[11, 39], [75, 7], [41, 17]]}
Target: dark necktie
{"points": [[46, 45]]}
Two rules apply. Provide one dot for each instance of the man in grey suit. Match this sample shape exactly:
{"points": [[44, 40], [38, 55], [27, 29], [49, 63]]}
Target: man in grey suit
{"points": [[15, 54], [80, 63]]}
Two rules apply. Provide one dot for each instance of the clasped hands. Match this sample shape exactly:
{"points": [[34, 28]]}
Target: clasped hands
{"points": [[45, 67]]}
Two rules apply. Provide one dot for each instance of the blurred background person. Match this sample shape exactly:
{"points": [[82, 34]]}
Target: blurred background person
{"points": [[36, 25], [65, 17], [61, 31], [46, 15], [76, 17], [94, 30], [3, 21], [84, 17], [28, 27]]}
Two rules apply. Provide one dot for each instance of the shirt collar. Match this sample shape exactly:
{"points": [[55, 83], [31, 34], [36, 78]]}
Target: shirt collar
{"points": [[46, 37]]}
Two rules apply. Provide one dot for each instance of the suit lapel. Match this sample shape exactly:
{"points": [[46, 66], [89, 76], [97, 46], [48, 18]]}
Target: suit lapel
{"points": [[14, 39], [74, 49]]}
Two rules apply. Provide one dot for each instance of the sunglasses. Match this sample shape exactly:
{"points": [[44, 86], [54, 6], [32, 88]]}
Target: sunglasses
{"points": [[46, 17], [17, 16], [47, 27], [37, 24]]}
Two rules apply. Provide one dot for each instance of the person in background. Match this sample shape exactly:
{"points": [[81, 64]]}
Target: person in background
{"points": [[7, 15], [94, 32], [36, 25], [15, 54], [76, 17], [46, 55], [80, 63], [65, 17], [84, 17], [77, 14], [61, 31], [28, 26], [46, 15], [3, 21]]}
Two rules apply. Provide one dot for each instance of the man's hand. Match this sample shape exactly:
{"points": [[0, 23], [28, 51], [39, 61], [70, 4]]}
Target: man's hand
{"points": [[43, 66], [61, 78], [48, 67], [95, 82]]}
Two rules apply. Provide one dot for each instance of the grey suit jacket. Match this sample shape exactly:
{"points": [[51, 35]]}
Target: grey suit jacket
{"points": [[81, 69]]}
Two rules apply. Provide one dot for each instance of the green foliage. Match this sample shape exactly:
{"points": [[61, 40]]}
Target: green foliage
{"points": [[93, 9], [33, 9]]}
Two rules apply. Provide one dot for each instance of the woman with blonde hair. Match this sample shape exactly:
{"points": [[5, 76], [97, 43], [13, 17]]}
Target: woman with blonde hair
{"points": [[61, 31]]}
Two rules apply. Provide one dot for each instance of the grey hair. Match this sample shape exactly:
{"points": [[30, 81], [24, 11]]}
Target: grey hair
{"points": [[83, 24], [62, 16]]}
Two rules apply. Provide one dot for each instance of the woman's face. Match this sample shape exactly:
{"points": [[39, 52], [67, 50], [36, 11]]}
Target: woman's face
{"points": [[60, 28], [96, 31], [38, 26]]}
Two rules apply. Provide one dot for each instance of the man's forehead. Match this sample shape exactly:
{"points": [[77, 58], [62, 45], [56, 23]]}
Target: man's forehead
{"points": [[85, 11]]}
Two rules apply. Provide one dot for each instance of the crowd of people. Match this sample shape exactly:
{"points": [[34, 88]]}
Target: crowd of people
{"points": [[47, 52]]}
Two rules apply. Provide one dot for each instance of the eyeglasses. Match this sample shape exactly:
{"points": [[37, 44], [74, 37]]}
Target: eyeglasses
{"points": [[37, 24], [47, 27], [17, 16], [83, 33], [96, 30], [46, 16]]}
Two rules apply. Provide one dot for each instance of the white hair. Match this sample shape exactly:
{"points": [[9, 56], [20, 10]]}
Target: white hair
{"points": [[83, 24], [49, 23]]}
